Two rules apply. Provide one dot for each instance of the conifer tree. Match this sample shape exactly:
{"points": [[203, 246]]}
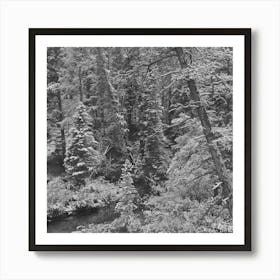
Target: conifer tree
{"points": [[154, 161], [128, 202], [82, 157], [113, 124], [55, 109]]}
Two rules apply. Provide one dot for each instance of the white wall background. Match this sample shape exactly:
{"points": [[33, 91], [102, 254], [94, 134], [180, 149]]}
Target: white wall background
{"points": [[15, 260]]}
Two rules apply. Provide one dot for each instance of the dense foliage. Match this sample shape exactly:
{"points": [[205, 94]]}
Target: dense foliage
{"points": [[144, 131]]}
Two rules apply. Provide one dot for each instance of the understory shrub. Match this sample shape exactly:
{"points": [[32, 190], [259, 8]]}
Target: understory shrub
{"points": [[64, 200]]}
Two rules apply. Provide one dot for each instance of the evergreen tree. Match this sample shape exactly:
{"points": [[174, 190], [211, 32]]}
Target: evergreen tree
{"points": [[82, 157], [154, 160], [55, 111], [130, 107], [113, 124], [128, 201]]}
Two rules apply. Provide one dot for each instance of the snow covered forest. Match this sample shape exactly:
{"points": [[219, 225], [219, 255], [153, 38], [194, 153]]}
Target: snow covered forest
{"points": [[139, 139]]}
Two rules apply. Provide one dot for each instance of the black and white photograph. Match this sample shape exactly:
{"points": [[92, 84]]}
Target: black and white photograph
{"points": [[141, 140], [133, 146]]}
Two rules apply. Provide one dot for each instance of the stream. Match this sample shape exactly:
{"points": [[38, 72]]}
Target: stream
{"points": [[70, 223]]}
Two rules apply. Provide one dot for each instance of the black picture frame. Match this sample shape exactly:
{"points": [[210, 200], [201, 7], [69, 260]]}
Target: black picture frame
{"points": [[247, 141]]}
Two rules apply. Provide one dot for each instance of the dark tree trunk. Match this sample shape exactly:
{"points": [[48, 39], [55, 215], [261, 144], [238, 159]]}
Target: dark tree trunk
{"points": [[62, 133], [207, 130], [212, 87], [129, 107], [100, 90], [80, 85]]}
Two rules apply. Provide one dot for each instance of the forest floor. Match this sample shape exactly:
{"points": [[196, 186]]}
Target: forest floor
{"points": [[93, 209]]}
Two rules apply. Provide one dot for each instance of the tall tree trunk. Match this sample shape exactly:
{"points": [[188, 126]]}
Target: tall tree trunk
{"points": [[61, 117], [80, 84], [212, 87], [109, 104], [207, 130]]}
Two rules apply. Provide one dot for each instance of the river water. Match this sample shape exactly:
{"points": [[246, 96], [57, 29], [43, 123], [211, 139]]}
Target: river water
{"points": [[70, 223]]}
